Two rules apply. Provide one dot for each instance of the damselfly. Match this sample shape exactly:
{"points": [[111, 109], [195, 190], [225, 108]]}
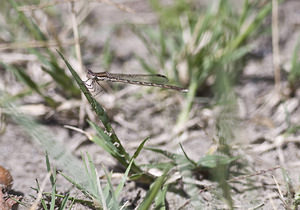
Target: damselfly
{"points": [[154, 80]]}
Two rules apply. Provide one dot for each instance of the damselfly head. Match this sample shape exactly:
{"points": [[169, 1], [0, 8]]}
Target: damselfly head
{"points": [[91, 82], [91, 74]]}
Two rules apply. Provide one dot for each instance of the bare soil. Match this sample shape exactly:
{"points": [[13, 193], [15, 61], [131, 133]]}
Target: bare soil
{"points": [[263, 116]]}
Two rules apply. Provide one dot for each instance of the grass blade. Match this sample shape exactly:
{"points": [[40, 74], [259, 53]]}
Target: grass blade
{"points": [[160, 201], [140, 147], [154, 191], [23, 77], [105, 120], [122, 183], [64, 202], [95, 105]]}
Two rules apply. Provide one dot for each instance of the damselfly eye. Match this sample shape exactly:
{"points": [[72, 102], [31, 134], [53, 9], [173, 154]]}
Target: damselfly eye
{"points": [[90, 74]]}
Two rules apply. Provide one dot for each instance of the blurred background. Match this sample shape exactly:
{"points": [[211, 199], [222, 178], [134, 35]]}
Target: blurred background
{"points": [[218, 146]]}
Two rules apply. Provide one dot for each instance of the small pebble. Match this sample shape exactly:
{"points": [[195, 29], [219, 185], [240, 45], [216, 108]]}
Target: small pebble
{"points": [[6, 179]]}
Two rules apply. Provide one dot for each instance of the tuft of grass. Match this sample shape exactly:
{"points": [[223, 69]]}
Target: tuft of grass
{"points": [[88, 182], [52, 200], [42, 137], [206, 54], [214, 167], [203, 48], [26, 28], [169, 15], [20, 73], [110, 142], [53, 183], [102, 197]]}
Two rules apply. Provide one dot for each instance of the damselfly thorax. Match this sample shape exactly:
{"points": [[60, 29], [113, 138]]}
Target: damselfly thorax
{"points": [[153, 80]]}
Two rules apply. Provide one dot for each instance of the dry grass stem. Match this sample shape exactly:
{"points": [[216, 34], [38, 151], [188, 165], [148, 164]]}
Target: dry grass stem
{"points": [[241, 178], [280, 141], [53, 3], [280, 192], [43, 5], [89, 136], [272, 202], [39, 196], [76, 38], [255, 174], [79, 57], [117, 5], [33, 44], [275, 44]]}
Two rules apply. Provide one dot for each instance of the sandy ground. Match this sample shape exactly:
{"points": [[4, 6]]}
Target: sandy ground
{"points": [[260, 129]]}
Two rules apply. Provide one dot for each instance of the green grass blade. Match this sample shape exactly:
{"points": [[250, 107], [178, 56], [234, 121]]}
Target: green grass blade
{"points": [[122, 183], [154, 191], [212, 161], [38, 189], [252, 27], [95, 105], [112, 201], [137, 152], [62, 80], [78, 185], [119, 153], [107, 55], [53, 197], [23, 77], [184, 115], [186, 156], [94, 179], [244, 12], [294, 74], [163, 48], [167, 154], [52, 181], [43, 202], [160, 165], [102, 196], [107, 143], [140, 147], [160, 200], [33, 29], [64, 202]]}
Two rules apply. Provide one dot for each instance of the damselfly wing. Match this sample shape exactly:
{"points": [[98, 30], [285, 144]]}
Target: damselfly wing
{"points": [[153, 80]]}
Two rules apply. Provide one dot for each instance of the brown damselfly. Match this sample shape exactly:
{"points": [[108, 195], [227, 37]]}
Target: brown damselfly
{"points": [[153, 80]]}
